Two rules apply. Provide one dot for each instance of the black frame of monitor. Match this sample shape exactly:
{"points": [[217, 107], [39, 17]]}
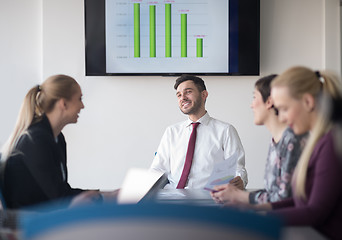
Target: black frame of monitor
{"points": [[247, 40]]}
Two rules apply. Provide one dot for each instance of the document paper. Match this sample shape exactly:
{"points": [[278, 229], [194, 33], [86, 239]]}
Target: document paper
{"points": [[222, 173]]}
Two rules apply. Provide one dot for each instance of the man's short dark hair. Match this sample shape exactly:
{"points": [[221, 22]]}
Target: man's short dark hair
{"points": [[197, 81]]}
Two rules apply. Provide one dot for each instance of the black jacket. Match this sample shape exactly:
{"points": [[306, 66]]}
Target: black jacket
{"points": [[37, 172]]}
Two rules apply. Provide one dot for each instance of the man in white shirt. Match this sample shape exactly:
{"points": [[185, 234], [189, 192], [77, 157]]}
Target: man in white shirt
{"points": [[216, 141]]}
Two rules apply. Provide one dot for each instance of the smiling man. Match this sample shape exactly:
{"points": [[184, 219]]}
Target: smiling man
{"points": [[189, 150]]}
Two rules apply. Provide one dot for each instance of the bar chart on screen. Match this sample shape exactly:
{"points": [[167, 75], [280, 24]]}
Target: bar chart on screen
{"points": [[170, 34]]}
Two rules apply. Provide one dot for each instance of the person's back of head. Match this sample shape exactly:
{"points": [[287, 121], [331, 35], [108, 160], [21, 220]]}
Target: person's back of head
{"points": [[332, 110], [263, 85], [53, 89]]}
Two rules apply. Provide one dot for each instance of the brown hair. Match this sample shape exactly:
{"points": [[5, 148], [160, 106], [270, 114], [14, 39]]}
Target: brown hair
{"points": [[263, 85]]}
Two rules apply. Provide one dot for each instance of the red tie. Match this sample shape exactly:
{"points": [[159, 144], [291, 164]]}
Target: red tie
{"points": [[189, 156]]}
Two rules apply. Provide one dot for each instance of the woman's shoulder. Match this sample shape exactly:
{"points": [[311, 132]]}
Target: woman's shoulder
{"points": [[326, 148], [37, 132], [326, 141]]}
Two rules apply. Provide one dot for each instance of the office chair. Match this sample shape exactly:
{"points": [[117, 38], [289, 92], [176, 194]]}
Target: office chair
{"points": [[148, 221]]}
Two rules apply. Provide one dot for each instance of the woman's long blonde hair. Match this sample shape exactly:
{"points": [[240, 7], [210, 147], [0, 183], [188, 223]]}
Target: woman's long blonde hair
{"points": [[39, 100], [301, 80]]}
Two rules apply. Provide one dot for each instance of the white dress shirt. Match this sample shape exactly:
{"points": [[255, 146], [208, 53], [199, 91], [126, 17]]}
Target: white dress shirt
{"points": [[216, 141]]}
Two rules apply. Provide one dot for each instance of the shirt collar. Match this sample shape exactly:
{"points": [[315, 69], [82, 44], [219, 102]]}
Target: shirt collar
{"points": [[203, 120]]}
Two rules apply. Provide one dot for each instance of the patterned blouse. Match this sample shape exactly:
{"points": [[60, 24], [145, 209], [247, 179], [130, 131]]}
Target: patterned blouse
{"points": [[281, 162]]}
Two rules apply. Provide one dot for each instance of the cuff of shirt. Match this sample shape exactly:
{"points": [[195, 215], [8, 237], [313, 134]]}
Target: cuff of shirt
{"points": [[252, 197]]}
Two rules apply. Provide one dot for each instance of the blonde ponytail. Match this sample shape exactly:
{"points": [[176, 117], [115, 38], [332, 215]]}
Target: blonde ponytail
{"points": [[27, 114], [299, 177]]}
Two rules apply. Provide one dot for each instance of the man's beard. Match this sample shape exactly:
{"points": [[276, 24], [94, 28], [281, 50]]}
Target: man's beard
{"points": [[193, 110]]}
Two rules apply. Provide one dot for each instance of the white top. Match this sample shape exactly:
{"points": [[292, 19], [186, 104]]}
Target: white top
{"points": [[216, 141]]}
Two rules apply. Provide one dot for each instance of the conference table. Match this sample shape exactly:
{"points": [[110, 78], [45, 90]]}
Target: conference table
{"points": [[202, 198]]}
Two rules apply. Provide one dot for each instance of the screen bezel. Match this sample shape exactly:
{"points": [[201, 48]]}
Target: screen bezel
{"points": [[245, 61]]}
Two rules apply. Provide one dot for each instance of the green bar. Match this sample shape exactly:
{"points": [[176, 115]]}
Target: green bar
{"points": [[168, 30], [152, 31], [183, 35], [136, 29], [199, 46]]}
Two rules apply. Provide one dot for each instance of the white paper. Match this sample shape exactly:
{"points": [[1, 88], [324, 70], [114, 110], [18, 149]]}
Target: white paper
{"points": [[222, 173]]}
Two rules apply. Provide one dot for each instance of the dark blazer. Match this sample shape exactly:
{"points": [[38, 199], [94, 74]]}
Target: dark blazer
{"points": [[37, 172]]}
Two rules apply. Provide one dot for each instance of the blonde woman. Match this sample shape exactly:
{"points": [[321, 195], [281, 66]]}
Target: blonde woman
{"points": [[317, 180], [34, 157]]}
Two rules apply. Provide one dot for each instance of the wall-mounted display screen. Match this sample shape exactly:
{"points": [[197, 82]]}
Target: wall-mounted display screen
{"points": [[172, 37]]}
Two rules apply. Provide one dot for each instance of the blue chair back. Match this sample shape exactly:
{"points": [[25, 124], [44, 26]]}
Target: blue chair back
{"points": [[148, 221]]}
